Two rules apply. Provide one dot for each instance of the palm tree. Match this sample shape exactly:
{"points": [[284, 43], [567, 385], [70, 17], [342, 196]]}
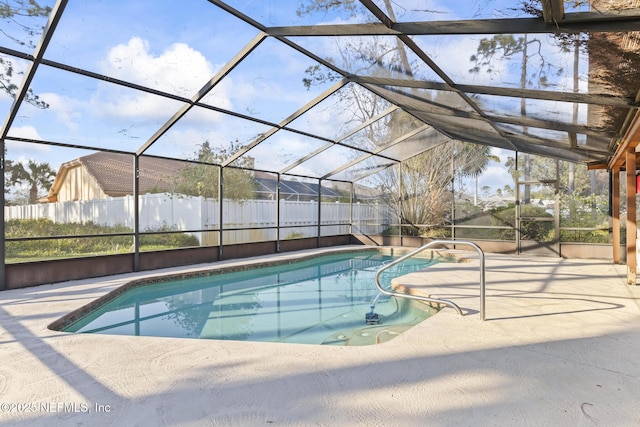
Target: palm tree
{"points": [[474, 160], [35, 175]]}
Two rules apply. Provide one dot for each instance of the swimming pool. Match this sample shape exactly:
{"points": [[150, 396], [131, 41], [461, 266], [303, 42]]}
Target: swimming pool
{"points": [[322, 300]]}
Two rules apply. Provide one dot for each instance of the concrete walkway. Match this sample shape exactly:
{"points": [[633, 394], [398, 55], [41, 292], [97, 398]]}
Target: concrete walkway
{"points": [[560, 347]]}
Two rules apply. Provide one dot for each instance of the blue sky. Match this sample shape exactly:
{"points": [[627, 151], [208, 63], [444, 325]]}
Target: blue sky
{"points": [[178, 46]]}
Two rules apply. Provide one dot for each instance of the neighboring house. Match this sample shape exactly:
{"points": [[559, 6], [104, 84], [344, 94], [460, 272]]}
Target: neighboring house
{"points": [[495, 201], [292, 190], [103, 174], [305, 190]]}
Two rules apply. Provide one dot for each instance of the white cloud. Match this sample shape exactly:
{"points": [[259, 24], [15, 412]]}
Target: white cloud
{"points": [[497, 175], [28, 132], [23, 151], [145, 106], [178, 69], [65, 109], [226, 86]]}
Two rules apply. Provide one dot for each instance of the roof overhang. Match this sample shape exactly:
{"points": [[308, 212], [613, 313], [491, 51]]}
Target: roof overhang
{"points": [[629, 141]]}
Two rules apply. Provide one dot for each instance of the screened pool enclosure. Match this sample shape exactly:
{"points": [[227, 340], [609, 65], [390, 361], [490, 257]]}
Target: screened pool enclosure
{"points": [[140, 134]]}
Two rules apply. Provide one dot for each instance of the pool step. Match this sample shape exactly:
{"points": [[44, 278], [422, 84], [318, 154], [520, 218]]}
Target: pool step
{"points": [[367, 336]]}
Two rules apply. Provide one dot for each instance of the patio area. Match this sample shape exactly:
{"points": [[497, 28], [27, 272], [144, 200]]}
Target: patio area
{"points": [[559, 347]]}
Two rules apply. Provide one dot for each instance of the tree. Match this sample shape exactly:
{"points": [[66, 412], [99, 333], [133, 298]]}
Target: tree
{"points": [[508, 46], [16, 12], [423, 182], [614, 60], [8, 165], [36, 176], [475, 159], [202, 178], [420, 189], [13, 12]]}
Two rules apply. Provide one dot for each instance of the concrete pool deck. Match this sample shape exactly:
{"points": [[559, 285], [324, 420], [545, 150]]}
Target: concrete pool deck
{"points": [[560, 346]]}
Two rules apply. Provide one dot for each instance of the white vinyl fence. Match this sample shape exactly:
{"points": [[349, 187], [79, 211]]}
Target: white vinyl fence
{"points": [[177, 212]]}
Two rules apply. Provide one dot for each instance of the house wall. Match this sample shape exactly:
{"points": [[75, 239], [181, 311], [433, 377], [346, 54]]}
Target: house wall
{"points": [[78, 184]]}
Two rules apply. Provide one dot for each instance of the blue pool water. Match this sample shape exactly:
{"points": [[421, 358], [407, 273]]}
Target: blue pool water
{"points": [[317, 301]]}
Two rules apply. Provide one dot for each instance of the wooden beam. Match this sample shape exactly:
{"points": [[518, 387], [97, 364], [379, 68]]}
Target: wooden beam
{"points": [[601, 165], [629, 141], [596, 166], [631, 217]]}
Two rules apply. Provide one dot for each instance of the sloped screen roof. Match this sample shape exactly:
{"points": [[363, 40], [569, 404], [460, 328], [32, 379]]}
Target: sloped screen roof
{"points": [[337, 89]]}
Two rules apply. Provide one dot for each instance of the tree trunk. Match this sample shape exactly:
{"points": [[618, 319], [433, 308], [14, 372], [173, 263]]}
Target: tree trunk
{"points": [[33, 194]]}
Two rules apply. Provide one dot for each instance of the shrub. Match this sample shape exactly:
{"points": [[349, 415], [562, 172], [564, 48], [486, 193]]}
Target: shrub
{"points": [[79, 243], [294, 235]]}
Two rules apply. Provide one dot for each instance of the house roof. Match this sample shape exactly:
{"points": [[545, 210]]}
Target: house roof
{"points": [[113, 173], [266, 183]]}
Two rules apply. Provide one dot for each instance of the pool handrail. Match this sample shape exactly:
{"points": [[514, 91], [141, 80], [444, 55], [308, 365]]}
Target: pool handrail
{"points": [[430, 299]]}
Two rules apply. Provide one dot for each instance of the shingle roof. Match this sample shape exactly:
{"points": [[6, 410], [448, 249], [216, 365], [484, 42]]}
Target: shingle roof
{"points": [[113, 172]]}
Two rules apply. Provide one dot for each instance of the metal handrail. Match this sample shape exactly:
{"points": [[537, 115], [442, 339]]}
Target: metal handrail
{"points": [[437, 300]]}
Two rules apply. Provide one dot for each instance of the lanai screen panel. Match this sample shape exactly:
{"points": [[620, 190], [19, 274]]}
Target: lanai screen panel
{"points": [[335, 209], [365, 167], [88, 112], [269, 83], [18, 32], [18, 64], [299, 210], [340, 113], [448, 10], [249, 206], [376, 203], [382, 131], [371, 56], [159, 45], [273, 13], [592, 212], [428, 100], [555, 111], [505, 60], [414, 143], [324, 163], [281, 150], [224, 133]]}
